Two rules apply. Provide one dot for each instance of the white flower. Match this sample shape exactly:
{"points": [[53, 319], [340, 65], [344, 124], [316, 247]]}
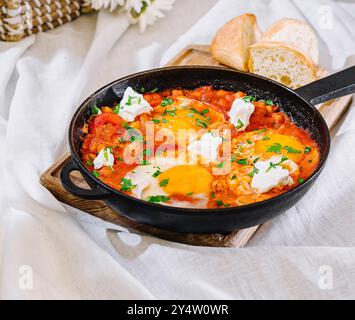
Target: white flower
{"points": [[136, 5], [151, 11], [112, 4]]}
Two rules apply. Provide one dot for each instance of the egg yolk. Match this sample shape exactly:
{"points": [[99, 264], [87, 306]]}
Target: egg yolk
{"points": [[278, 144], [185, 179]]}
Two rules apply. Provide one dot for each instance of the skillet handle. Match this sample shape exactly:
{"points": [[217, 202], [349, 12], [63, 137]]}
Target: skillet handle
{"points": [[97, 193], [334, 86]]}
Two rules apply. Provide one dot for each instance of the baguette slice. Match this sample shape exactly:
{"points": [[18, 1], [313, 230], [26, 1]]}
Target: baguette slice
{"points": [[230, 44], [295, 32], [283, 63]]}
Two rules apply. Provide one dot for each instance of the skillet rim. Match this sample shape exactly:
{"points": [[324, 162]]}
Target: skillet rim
{"points": [[201, 211]]}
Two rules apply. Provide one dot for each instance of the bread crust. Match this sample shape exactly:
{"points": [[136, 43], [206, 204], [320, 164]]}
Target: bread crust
{"points": [[229, 46], [268, 35]]}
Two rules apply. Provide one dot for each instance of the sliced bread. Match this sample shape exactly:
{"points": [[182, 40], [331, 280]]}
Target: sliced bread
{"points": [[295, 32], [282, 62], [230, 45]]}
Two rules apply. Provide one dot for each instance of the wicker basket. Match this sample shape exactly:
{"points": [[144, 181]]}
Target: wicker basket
{"points": [[20, 18]]}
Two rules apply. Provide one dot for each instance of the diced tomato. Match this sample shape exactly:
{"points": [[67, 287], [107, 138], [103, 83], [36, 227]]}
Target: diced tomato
{"points": [[104, 118]]}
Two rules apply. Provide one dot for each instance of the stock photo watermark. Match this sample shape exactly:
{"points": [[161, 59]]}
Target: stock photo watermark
{"points": [[325, 280], [25, 280]]}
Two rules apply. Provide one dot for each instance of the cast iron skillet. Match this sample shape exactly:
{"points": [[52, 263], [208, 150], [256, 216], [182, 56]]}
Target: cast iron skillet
{"points": [[296, 104]]}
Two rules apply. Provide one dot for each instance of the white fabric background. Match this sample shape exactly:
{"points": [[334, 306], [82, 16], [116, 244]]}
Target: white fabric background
{"points": [[75, 256]]}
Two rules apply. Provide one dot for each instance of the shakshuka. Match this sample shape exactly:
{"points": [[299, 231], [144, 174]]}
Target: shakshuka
{"points": [[201, 148]]}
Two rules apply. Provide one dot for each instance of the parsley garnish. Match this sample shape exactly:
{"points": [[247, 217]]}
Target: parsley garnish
{"points": [[255, 171], [220, 165], [156, 173], [189, 193], [273, 165], [164, 182], [126, 184], [129, 101], [249, 142], [89, 163], [95, 109], [261, 130], [266, 138], [158, 199], [165, 120], [221, 203], [300, 180], [96, 174], [200, 123], [156, 120], [244, 162], [116, 110], [269, 102], [233, 177], [212, 195], [145, 163], [256, 160], [166, 102], [276, 147], [239, 124], [171, 112], [154, 90], [291, 150], [249, 99], [307, 149]]}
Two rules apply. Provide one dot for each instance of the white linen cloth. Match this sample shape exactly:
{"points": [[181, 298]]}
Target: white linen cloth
{"points": [[308, 252]]}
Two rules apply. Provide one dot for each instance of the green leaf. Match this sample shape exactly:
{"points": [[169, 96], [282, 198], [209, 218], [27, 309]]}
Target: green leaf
{"points": [[221, 203], [243, 162], [255, 171], [249, 99], [165, 120], [233, 177], [203, 112], [249, 142], [189, 193], [126, 184], [167, 101], [256, 160], [269, 102], [291, 150], [156, 173], [276, 148], [220, 165], [154, 90], [212, 195], [266, 138], [274, 165], [239, 124], [96, 174], [260, 130], [95, 109], [200, 123], [89, 163], [307, 149], [158, 198], [300, 180], [164, 182], [116, 110], [156, 120]]}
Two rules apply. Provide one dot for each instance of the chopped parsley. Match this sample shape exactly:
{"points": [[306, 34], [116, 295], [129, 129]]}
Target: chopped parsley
{"points": [[255, 171], [239, 124], [266, 138], [307, 149], [158, 199], [249, 142], [156, 120], [274, 165], [89, 163], [165, 120], [203, 112], [269, 102], [260, 130], [220, 203], [212, 195], [200, 123], [256, 160], [243, 162], [156, 173], [96, 174], [291, 150], [167, 101], [119, 158], [145, 163], [154, 90], [189, 193], [129, 101], [171, 112], [220, 165], [95, 109], [164, 182], [116, 110], [233, 177], [276, 147], [300, 180], [249, 99], [126, 184]]}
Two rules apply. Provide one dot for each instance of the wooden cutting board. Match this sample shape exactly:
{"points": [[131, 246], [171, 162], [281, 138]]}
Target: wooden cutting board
{"points": [[193, 55]]}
